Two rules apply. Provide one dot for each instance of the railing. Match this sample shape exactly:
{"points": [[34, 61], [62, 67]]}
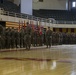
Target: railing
{"points": [[65, 22], [30, 17], [24, 16]]}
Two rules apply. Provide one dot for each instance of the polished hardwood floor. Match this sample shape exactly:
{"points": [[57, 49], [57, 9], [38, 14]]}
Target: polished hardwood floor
{"points": [[57, 60]]}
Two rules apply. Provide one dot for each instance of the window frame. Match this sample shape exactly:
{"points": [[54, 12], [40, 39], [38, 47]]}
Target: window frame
{"points": [[73, 4], [40, 0]]}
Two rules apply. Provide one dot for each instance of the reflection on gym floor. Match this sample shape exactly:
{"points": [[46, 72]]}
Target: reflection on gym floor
{"points": [[57, 60]]}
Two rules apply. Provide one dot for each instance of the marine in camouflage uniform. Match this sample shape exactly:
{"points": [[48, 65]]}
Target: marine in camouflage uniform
{"points": [[48, 37], [64, 37], [7, 38], [17, 38], [33, 37], [22, 38], [75, 38], [1, 37], [73, 35], [27, 36], [57, 38], [12, 33], [60, 38], [53, 38], [40, 37]]}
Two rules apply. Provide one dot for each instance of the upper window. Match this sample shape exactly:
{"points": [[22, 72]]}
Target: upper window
{"points": [[40, 0], [73, 4]]}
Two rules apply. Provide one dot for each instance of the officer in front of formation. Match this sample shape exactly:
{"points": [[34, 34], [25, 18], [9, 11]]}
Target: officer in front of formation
{"points": [[48, 37], [27, 36]]}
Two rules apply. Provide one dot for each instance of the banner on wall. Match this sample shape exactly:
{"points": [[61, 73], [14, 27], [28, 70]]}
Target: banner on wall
{"points": [[26, 7]]}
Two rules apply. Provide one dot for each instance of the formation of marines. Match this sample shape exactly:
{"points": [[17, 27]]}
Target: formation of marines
{"points": [[27, 37]]}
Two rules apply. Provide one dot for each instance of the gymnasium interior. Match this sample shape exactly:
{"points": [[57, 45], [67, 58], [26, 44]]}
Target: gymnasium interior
{"points": [[60, 58]]}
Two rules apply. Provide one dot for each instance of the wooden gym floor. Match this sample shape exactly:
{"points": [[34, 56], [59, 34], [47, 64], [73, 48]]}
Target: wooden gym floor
{"points": [[57, 60]]}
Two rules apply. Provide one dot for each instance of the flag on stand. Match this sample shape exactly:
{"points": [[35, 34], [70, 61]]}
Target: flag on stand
{"points": [[32, 25], [24, 24], [19, 26], [21, 23]]}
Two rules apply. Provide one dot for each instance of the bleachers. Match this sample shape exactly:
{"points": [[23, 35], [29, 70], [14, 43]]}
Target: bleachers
{"points": [[59, 15], [9, 6]]}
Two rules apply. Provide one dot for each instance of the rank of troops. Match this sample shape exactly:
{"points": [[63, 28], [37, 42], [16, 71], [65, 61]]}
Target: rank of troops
{"points": [[27, 37]]}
